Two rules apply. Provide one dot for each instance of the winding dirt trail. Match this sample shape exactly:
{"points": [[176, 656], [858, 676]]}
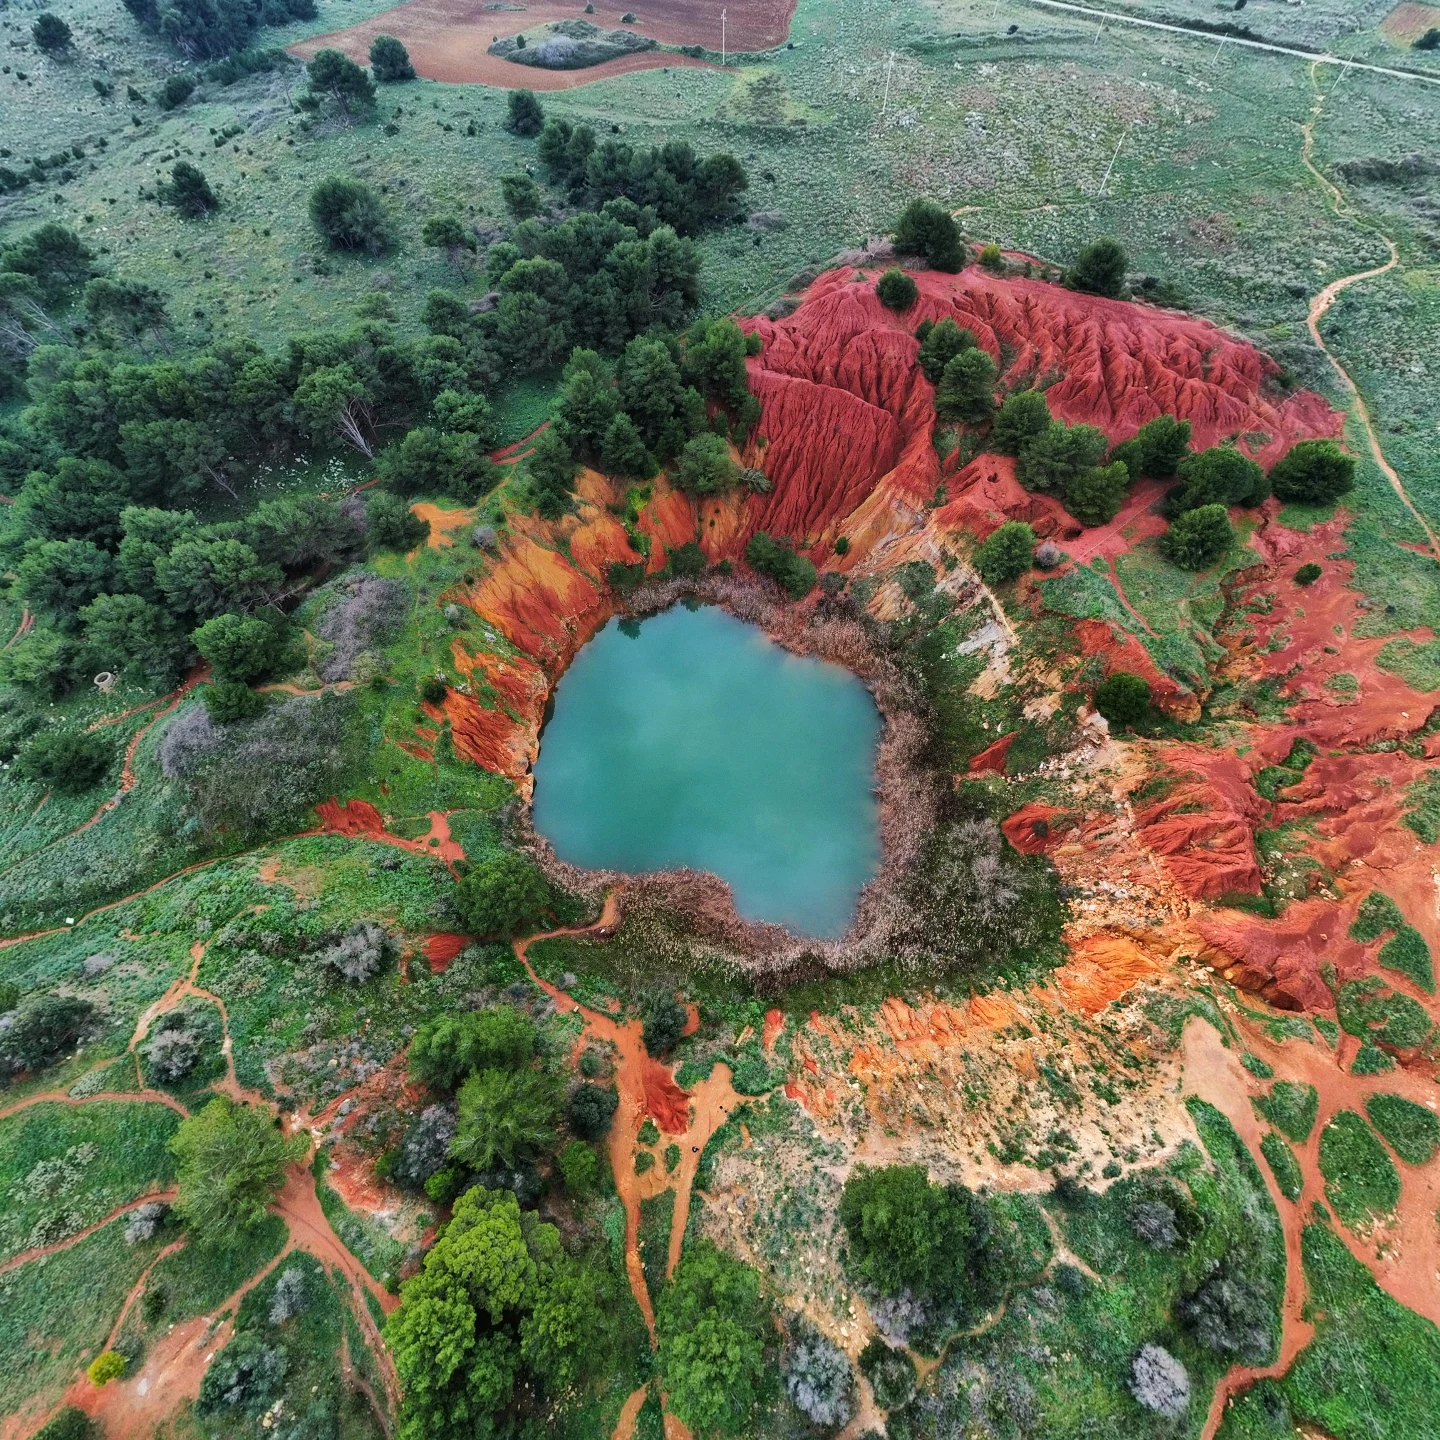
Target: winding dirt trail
{"points": [[40, 1251], [1327, 297], [27, 622], [646, 1088]]}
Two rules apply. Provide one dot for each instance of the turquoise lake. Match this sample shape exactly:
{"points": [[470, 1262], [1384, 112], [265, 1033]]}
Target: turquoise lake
{"points": [[697, 741]]}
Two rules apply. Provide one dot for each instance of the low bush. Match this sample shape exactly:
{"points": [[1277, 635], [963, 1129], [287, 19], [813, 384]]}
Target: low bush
{"points": [[69, 761], [795, 574], [665, 1021], [1123, 698], [1160, 1382], [1099, 269], [896, 290], [502, 896], [1283, 1165], [891, 1373], [1198, 538], [1377, 914], [1290, 1107], [1370, 1009], [1360, 1180], [43, 1030], [1308, 574], [349, 215], [1006, 553], [1313, 472], [590, 1110], [818, 1378], [108, 1365]]}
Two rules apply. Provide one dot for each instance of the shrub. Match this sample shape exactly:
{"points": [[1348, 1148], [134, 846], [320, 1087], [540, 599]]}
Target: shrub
{"points": [[238, 647], [1198, 538], [390, 60], [51, 34], [244, 1378], [178, 1041], [896, 290], [176, 91], [713, 1329], [665, 1021], [9, 996], [448, 1048], [819, 1380], [991, 258], [69, 761], [1154, 1222], [891, 1373], [1094, 496], [359, 953], [425, 1148], [349, 215], [1308, 574], [1218, 476], [232, 1160], [1164, 443], [1313, 472], [1131, 454], [68, 1423], [1006, 553], [1023, 415], [336, 77], [523, 114], [228, 701], [188, 191], [1123, 698], [927, 229], [1159, 1382], [108, 1365], [1099, 269], [1411, 1129], [581, 1169], [289, 1298], [391, 525], [590, 1110], [43, 1029], [521, 196], [1377, 914], [1371, 1060], [795, 574], [1283, 1165], [502, 896], [1231, 1314]]}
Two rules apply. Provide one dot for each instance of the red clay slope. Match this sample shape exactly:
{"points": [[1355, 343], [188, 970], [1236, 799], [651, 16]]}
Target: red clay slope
{"points": [[847, 412]]}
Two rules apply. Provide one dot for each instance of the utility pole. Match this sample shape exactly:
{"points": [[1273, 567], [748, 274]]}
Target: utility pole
{"points": [[1218, 49], [1344, 71], [889, 70], [1111, 165], [722, 37]]}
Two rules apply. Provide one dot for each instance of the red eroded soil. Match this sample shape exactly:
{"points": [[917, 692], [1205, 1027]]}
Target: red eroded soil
{"points": [[360, 817], [441, 949], [449, 40], [992, 757]]}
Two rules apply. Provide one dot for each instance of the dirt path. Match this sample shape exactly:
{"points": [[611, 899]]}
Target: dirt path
{"points": [[642, 1083], [27, 622], [15, 1261], [1327, 297]]}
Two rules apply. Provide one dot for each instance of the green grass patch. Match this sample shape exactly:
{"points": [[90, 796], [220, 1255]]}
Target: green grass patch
{"points": [[1372, 1010], [1412, 1130], [65, 1167], [1408, 954], [1371, 1060], [1360, 1180], [1417, 664], [1377, 914], [371, 1244], [1283, 1165], [200, 1278], [1291, 1108], [1423, 815], [657, 1216]]}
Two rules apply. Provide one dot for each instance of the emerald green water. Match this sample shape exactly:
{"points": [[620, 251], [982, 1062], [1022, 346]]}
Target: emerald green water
{"points": [[697, 741]]}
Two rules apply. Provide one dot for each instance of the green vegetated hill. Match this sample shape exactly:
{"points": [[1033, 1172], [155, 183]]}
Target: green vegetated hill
{"points": [[231, 293]]}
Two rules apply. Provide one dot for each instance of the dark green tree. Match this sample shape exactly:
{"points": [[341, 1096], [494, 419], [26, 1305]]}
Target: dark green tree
{"points": [[429, 462], [1198, 537], [942, 343], [1094, 496], [586, 405], [1131, 454], [665, 1020], [68, 761], [713, 361], [1049, 461], [1006, 553], [1099, 269], [505, 1119], [714, 1333], [127, 307], [521, 196], [966, 391], [1022, 415], [445, 232], [795, 574], [502, 896], [896, 290], [51, 34], [551, 469], [523, 114], [232, 1160], [43, 1029], [228, 701], [205, 577], [623, 451], [390, 60], [1218, 476], [927, 229], [1164, 443], [60, 576], [449, 1047], [390, 524], [130, 632], [337, 78], [54, 255], [188, 191], [239, 647], [1313, 472], [705, 467], [590, 1110], [349, 215], [1123, 698]]}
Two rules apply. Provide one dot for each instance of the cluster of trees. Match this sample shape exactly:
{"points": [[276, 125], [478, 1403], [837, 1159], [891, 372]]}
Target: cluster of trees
{"points": [[208, 29], [794, 573], [928, 230], [962, 373], [670, 181], [669, 400]]}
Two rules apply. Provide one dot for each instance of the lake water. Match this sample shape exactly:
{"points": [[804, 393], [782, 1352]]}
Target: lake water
{"points": [[697, 741]]}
